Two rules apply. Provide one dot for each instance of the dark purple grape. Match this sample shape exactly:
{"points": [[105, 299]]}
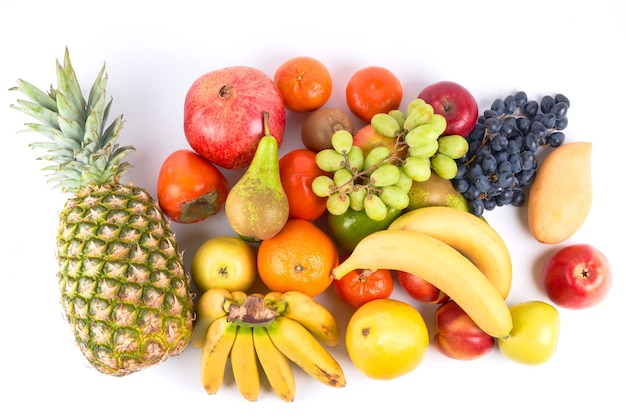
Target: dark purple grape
{"points": [[560, 98], [547, 102], [560, 110], [561, 124], [489, 203], [519, 199], [482, 183], [556, 139], [531, 108], [521, 98], [492, 124], [461, 185], [498, 107], [510, 106], [477, 207]]}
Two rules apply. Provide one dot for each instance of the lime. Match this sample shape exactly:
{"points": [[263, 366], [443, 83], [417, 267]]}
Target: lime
{"points": [[349, 228]]}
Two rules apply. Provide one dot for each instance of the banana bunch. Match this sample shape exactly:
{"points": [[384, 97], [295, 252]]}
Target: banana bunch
{"points": [[268, 332], [454, 250]]}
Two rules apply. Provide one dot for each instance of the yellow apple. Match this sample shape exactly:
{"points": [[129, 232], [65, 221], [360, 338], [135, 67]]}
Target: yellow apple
{"points": [[534, 335], [227, 262]]}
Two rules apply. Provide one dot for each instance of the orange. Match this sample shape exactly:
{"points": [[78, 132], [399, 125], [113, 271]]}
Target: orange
{"points": [[304, 82], [386, 338], [300, 257], [373, 90]]}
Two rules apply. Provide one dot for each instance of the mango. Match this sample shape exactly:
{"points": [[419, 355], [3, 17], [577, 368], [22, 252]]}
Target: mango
{"points": [[560, 196]]}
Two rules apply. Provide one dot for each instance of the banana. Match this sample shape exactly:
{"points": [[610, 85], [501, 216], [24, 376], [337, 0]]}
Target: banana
{"points": [[307, 311], [302, 348], [211, 306], [438, 263], [215, 352], [275, 364], [244, 364], [272, 298], [470, 235]]}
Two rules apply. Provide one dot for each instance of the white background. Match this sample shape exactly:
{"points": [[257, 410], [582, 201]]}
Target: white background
{"points": [[154, 53]]}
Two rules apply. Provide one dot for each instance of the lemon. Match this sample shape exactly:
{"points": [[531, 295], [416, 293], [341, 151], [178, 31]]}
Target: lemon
{"points": [[386, 338]]}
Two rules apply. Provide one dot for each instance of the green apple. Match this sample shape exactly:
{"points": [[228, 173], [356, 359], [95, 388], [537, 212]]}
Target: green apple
{"points": [[227, 262], [534, 335]]}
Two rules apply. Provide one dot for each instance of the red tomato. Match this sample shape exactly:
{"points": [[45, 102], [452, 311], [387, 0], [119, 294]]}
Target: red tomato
{"points": [[362, 285], [190, 188], [297, 171]]}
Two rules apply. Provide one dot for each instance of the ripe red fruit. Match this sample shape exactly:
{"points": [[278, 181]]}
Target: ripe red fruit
{"points": [[223, 114], [455, 103], [577, 276]]}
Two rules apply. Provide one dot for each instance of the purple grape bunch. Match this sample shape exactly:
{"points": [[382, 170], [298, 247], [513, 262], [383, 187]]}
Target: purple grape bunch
{"points": [[501, 160]]}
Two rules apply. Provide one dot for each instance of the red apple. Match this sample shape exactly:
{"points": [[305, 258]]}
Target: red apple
{"points": [[223, 114], [577, 276], [457, 336], [420, 289], [455, 103], [367, 139]]}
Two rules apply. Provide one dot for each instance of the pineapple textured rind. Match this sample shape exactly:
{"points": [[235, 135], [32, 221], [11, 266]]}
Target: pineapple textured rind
{"points": [[123, 286], [124, 290]]}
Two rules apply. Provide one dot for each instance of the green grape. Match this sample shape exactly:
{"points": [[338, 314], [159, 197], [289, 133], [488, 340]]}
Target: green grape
{"points": [[394, 197], [375, 156], [323, 186], [419, 115], [375, 208], [329, 160], [355, 158], [341, 141], [404, 182], [357, 197], [454, 146], [417, 168], [385, 125], [422, 135], [337, 204], [425, 151], [343, 180], [398, 115], [414, 103], [439, 122], [444, 166], [384, 175]]}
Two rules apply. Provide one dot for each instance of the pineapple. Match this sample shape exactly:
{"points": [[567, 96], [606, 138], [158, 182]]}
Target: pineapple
{"points": [[124, 290]]}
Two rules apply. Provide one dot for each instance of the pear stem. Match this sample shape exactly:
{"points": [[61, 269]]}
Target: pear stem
{"points": [[266, 123]]}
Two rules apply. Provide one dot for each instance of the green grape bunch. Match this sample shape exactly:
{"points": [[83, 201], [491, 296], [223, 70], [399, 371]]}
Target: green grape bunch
{"points": [[383, 178]]}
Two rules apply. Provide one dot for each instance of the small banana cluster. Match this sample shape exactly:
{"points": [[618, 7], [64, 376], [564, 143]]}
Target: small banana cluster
{"points": [[457, 252], [268, 332]]}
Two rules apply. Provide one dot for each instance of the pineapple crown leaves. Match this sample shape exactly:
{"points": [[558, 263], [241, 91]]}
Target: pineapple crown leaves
{"points": [[82, 152]]}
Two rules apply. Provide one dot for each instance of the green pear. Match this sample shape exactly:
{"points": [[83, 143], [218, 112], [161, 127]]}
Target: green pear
{"points": [[435, 191], [256, 206]]}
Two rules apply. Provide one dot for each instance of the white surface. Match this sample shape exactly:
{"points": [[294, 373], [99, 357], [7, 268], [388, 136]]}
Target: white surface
{"points": [[154, 53]]}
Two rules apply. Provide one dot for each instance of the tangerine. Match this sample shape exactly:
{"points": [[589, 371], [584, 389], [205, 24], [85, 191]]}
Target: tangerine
{"points": [[304, 82], [300, 257], [373, 90]]}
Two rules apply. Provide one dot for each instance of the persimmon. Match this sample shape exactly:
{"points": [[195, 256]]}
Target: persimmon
{"points": [[190, 188]]}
